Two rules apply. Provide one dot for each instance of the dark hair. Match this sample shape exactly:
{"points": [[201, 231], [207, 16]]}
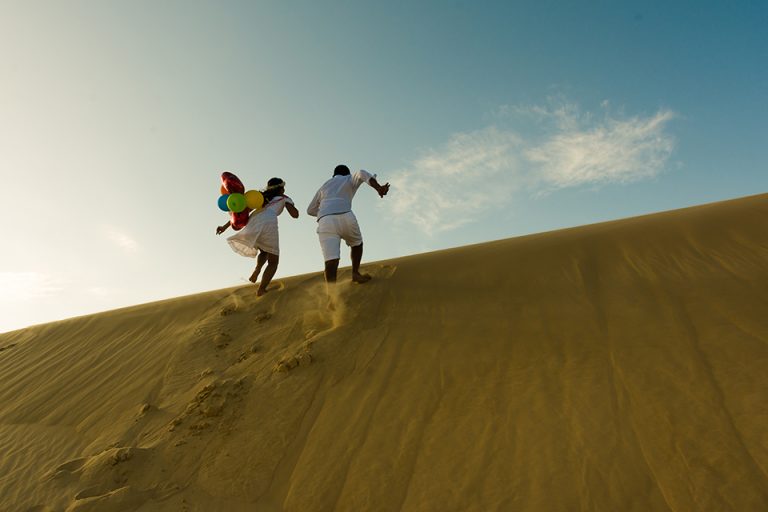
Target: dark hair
{"points": [[275, 187], [341, 170]]}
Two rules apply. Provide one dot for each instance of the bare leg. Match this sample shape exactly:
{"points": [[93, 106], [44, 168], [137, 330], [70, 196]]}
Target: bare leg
{"points": [[269, 273], [331, 268], [357, 256], [261, 259]]}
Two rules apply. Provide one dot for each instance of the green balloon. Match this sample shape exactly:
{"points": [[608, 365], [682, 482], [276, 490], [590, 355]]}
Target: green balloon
{"points": [[236, 202]]}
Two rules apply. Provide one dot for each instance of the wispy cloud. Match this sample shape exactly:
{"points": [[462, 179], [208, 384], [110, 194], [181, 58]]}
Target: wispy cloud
{"points": [[470, 171], [562, 147], [26, 286], [121, 239], [585, 151]]}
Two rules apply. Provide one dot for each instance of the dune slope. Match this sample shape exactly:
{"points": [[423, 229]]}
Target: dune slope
{"points": [[618, 366]]}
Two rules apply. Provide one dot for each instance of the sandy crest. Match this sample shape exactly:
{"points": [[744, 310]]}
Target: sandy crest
{"points": [[618, 366]]}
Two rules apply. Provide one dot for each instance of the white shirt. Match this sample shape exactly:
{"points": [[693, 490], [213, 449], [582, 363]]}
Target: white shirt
{"points": [[335, 196]]}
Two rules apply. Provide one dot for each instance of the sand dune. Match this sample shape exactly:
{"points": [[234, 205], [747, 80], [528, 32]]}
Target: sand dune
{"points": [[621, 366]]}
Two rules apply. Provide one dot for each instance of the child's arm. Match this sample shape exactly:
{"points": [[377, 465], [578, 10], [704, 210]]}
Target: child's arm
{"points": [[292, 210], [221, 229]]}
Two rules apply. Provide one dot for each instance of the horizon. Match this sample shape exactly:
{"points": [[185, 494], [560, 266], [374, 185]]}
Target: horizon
{"points": [[490, 122], [425, 253]]}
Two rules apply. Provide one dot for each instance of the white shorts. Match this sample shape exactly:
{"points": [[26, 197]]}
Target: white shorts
{"points": [[331, 229]]}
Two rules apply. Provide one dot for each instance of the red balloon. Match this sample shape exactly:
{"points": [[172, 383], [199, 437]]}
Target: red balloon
{"points": [[232, 183], [239, 220]]}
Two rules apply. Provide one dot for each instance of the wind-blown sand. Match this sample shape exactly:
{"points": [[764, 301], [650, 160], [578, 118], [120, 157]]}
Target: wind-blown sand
{"points": [[621, 366]]}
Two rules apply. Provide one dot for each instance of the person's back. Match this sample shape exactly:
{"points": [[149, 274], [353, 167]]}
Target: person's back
{"points": [[274, 207], [335, 195]]}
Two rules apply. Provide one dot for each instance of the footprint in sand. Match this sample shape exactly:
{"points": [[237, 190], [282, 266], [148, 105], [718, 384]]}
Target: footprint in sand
{"points": [[262, 317], [301, 358], [7, 347], [95, 467], [68, 468], [315, 323], [251, 291], [100, 497], [221, 340], [285, 364], [144, 409], [381, 271], [216, 403], [228, 310]]}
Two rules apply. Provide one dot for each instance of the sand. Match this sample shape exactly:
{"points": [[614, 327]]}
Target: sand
{"points": [[620, 366]]}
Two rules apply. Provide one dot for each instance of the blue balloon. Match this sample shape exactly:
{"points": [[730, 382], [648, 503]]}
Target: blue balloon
{"points": [[223, 203]]}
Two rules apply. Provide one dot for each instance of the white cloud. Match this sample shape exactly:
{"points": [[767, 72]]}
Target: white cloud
{"points": [[563, 147], [122, 240], [448, 187], [611, 150], [26, 286]]}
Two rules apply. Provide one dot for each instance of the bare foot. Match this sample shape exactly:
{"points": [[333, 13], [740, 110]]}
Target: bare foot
{"points": [[261, 291], [360, 278]]}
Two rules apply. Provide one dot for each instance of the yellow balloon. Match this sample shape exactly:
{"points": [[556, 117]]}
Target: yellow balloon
{"points": [[254, 199]]}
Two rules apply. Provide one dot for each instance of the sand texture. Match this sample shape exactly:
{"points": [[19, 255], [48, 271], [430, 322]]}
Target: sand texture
{"points": [[620, 366]]}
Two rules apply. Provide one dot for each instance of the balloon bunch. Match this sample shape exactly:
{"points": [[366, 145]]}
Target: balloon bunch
{"points": [[235, 200]]}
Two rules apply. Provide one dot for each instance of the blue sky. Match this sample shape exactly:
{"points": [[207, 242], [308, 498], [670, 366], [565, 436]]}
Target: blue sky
{"points": [[490, 121]]}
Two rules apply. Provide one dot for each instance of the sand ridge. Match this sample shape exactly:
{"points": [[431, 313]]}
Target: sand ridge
{"points": [[618, 366]]}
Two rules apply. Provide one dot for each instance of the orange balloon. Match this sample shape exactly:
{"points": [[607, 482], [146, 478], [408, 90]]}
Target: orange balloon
{"points": [[223, 190]]}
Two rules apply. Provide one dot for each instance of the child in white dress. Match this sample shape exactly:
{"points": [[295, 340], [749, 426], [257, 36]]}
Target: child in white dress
{"points": [[260, 238]]}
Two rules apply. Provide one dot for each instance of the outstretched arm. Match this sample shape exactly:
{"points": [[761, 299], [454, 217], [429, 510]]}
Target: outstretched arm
{"points": [[381, 189], [221, 229]]}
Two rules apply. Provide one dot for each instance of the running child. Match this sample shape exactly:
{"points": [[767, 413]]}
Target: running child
{"points": [[260, 238]]}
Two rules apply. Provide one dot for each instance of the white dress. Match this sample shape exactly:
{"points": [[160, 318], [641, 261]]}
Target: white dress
{"points": [[261, 230]]}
